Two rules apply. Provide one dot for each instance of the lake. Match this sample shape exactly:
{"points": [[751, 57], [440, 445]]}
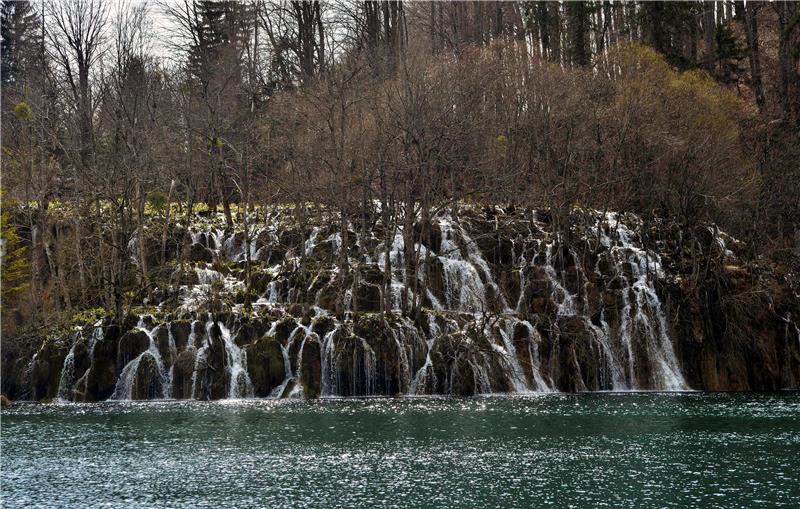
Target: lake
{"points": [[587, 450]]}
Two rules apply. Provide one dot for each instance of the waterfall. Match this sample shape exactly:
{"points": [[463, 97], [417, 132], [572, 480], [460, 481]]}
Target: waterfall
{"points": [[421, 378], [206, 276], [464, 289], [127, 378], [566, 306], [236, 366], [580, 317], [67, 384], [404, 374], [67, 375], [97, 335], [398, 265], [290, 376], [540, 385], [173, 353], [364, 364], [644, 314], [201, 355], [297, 390], [329, 386], [480, 378], [311, 243], [515, 373]]}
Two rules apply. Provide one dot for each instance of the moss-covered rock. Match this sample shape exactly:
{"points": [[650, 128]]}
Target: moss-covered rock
{"points": [[310, 368], [130, 345], [367, 297], [46, 369], [180, 329], [182, 374], [147, 383], [199, 253], [102, 376], [265, 365]]}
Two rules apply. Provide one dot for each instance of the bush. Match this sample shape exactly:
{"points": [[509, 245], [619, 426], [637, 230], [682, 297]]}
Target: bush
{"points": [[157, 200], [23, 111]]}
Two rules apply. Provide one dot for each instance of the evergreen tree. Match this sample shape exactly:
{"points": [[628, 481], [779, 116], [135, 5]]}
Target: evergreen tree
{"points": [[13, 257], [21, 39]]}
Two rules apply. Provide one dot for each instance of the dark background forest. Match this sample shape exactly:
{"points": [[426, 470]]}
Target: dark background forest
{"points": [[115, 114]]}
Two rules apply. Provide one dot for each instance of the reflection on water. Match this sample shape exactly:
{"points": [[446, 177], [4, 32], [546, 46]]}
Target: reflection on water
{"points": [[612, 450]]}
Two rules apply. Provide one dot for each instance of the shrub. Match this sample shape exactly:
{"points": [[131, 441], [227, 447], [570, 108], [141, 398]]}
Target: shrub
{"points": [[157, 200], [23, 111]]}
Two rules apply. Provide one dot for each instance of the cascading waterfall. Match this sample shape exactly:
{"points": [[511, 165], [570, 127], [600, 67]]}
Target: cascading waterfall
{"points": [[421, 378], [67, 375], [540, 385], [201, 355], [236, 361], [68, 385], [292, 377], [464, 289], [127, 378], [644, 314], [515, 371], [329, 385], [518, 349]]}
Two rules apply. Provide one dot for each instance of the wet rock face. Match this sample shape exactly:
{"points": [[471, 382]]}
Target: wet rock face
{"points": [[131, 344], [489, 301], [46, 372], [747, 343], [182, 374], [265, 365], [148, 383], [212, 380], [181, 329], [199, 253], [310, 369]]}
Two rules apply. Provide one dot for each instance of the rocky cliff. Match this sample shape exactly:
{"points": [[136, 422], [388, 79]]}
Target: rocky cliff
{"points": [[473, 301]]}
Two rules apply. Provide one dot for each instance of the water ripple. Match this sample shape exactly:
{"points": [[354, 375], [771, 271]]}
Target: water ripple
{"points": [[598, 450]]}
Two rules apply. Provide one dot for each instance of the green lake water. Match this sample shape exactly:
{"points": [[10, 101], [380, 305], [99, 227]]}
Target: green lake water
{"points": [[599, 450]]}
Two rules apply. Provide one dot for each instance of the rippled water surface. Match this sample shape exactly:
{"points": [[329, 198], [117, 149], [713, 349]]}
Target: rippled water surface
{"points": [[612, 450]]}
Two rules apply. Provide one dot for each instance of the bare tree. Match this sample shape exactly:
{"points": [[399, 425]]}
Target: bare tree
{"points": [[76, 32]]}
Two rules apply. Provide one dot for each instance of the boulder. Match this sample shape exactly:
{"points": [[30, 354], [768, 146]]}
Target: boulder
{"points": [[199, 253], [265, 365], [147, 383], [367, 297], [181, 330], [46, 373], [130, 345], [182, 374], [102, 377], [310, 367]]}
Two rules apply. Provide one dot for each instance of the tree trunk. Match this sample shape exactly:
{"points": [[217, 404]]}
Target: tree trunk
{"points": [[388, 234], [709, 27], [751, 28], [165, 231], [140, 236], [79, 260], [342, 261], [57, 266], [785, 60], [408, 249]]}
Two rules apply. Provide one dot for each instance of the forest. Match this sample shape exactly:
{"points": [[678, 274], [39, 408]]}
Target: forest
{"points": [[123, 121], [382, 253]]}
